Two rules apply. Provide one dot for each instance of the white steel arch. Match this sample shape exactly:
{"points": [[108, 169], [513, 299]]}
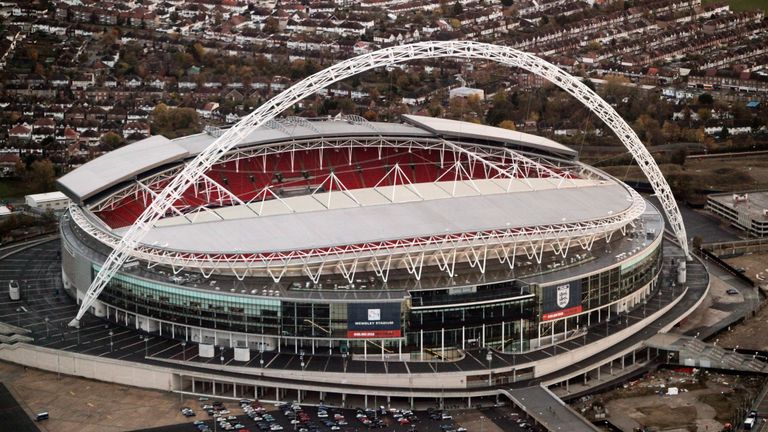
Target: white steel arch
{"points": [[195, 170]]}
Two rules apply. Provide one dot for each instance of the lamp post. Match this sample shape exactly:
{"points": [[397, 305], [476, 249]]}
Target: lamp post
{"points": [[482, 423], [47, 330], [489, 357], [184, 350]]}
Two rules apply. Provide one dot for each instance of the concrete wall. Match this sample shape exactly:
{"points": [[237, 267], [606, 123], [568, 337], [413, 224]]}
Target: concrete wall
{"points": [[97, 368]]}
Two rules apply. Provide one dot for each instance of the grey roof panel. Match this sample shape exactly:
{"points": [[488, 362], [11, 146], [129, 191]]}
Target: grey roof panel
{"points": [[265, 135], [355, 225], [120, 165], [455, 128]]}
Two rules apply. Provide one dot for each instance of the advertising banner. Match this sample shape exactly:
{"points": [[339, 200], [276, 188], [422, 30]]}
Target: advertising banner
{"points": [[561, 300], [373, 320], [242, 354], [205, 351]]}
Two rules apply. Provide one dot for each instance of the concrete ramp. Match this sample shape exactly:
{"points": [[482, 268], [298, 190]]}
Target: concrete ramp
{"points": [[546, 409], [689, 351]]}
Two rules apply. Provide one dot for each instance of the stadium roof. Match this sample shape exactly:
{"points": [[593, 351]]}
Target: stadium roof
{"points": [[373, 223], [454, 128], [119, 165], [126, 163]]}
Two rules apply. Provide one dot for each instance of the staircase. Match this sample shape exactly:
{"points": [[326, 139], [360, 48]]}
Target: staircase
{"points": [[721, 358]]}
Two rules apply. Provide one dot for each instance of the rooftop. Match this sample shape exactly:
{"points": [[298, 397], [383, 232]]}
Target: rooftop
{"points": [[753, 203]]}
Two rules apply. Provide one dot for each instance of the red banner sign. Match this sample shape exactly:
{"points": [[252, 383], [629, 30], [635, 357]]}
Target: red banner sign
{"points": [[373, 333], [561, 313]]}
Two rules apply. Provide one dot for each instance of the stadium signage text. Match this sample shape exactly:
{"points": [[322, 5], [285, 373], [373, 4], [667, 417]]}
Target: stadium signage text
{"points": [[373, 320]]}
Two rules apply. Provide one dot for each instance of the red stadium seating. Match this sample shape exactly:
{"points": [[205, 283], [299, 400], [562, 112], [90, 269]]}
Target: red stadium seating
{"points": [[306, 170]]}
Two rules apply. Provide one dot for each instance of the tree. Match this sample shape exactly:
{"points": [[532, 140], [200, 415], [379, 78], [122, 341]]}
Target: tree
{"points": [[110, 141], [271, 25], [678, 156], [508, 124], [706, 99], [198, 51], [457, 8], [371, 115], [501, 109], [704, 114], [588, 82], [174, 122], [41, 176]]}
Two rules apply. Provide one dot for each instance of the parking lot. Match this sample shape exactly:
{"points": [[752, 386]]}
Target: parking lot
{"points": [[254, 417]]}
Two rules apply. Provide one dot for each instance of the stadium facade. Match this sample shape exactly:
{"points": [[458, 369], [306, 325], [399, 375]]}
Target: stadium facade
{"points": [[413, 240]]}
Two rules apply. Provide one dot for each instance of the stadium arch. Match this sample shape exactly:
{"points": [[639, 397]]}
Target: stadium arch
{"points": [[196, 168]]}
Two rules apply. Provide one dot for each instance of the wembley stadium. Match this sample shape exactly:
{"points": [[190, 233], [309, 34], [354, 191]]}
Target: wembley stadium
{"points": [[418, 239]]}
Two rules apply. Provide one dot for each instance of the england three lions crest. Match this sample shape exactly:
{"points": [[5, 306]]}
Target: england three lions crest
{"points": [[563, 295]]}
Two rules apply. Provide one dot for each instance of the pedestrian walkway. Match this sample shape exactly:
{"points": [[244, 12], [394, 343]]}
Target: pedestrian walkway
{"points": [[549, 411]]}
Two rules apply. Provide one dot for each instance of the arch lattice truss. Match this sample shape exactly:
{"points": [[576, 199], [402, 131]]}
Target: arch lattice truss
{"points": [[194, 171]]}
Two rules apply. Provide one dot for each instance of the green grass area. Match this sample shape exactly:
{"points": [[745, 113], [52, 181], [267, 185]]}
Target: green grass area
{"points": [[742, 5], [10, 189]]}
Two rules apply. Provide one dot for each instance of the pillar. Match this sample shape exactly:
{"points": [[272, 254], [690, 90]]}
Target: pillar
{"points": [[421, 335], [502, 336], [442, 343]]}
